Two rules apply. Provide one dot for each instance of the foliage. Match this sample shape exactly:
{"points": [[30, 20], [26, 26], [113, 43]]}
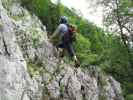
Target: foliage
{"points": [[34, 69], [82, 46], [129, 97], [46, 11], [119, 18], [119, 53]]}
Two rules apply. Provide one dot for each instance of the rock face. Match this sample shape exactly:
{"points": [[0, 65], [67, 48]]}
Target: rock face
{"points": [[15, 82], [12, 64], [29, 69]]}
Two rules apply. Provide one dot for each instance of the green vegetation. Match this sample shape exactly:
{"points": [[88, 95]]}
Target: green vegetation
{"points": [[93, 45], [62, 88], [1, 24], [102, 97], [34, 69], [129, 97], [17, 18]]}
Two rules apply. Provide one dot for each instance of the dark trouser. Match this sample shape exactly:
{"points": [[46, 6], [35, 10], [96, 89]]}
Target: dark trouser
{"points": [[68, 46]]}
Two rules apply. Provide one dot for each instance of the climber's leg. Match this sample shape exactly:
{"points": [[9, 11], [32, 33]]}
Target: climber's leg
{"points": [[60, 48], [70, 49], [72, 54]]}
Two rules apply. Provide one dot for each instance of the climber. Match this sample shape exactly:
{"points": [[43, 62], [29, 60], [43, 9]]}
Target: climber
{"points": [[63, 38]]}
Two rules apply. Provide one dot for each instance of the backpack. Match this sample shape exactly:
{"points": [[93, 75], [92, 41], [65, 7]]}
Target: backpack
{"points": [[70, 36]]}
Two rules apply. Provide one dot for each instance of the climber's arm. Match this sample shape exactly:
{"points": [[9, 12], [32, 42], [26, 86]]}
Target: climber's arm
{"points": [[56, 32]]}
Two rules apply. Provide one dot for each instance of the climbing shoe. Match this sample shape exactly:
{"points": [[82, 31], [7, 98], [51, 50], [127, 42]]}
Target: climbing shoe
{"points": [[76, 61], [61, 53]]}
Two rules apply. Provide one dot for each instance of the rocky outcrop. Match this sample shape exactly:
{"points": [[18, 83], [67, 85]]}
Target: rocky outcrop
{"points": [[15, 82], [31, 70], [12, 64]]}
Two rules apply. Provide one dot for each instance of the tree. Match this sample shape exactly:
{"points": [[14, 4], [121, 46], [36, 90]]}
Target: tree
{"points": [[118, 18]]}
